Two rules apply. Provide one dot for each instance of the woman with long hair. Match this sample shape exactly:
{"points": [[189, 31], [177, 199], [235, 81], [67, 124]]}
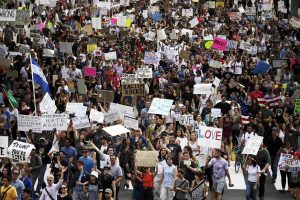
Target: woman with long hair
{"points": [[166, 180], [94, 187], [162, 162], [253, 172], [64, 195], [193, 143], [181, 138], [254, 107]]}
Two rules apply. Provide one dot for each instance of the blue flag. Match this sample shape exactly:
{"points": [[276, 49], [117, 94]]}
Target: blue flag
{"points": [[261, 68], [38, 76]]}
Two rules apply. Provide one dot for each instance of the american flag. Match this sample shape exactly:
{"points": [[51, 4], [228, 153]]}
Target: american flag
{"points": [[244, 110], [272, 100]]}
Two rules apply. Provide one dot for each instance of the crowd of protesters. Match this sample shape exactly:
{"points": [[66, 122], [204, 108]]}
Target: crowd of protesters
{"points": [[90, 163]]}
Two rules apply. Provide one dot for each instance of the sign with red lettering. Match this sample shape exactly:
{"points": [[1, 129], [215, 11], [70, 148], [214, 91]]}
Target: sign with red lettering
{"points": [[220, 44], [210, 136]]}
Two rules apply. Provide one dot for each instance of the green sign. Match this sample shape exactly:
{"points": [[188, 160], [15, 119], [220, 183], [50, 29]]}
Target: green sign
{"points": [[297, 106]]}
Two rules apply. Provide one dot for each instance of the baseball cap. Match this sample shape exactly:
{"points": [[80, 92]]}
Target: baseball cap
{"points": [[108, 190], [275, 129], [297, 153]]}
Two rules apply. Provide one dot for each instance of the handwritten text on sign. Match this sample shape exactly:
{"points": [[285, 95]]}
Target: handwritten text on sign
{"points": [[220, 44], [186, 120], [252, 145], [19, 151], [209, 136], [3, 146], [8, 15]]}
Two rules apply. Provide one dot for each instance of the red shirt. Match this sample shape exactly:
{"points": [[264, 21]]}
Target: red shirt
{"points": [[256, 94], [148, 179]]}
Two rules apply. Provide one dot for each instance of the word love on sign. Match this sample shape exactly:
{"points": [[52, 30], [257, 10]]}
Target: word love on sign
{"points": [[210, 137]]}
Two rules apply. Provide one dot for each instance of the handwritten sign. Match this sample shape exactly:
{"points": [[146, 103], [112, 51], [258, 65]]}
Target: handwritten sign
{"points": [[81, 122], [58, 121], [252, 145], [47, 105], [111, 116], [209, 136], [110, 56], [116, 130], [215, 63], [186, 120], [20, 151], [279, 63], [203, 88], [48, 53], [133, 89], [8, 15], [234, 16], [160, 106], [89, 71], [146, 158], [29, 122], [152, 58], [216, 112], [96, 116], [72, 107], [124, 110], [65, 47], [283, 160], [129, 79], [3, 146], [144, 73], [131, 123], [219, 44]]}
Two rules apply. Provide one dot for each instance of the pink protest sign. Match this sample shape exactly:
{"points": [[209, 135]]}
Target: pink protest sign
{"points": [[220, 44], [114, 20], [89, 71]]}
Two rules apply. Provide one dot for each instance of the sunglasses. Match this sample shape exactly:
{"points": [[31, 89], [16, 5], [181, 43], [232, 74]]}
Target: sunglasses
{"points": [[15, 173], [84, 151], [49, 180], [63, 187]]}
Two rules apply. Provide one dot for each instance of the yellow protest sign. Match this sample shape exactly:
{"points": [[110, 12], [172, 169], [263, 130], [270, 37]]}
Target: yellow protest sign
{"points": [[208, 44], [128, 22], [91, 47], [219, 4]]}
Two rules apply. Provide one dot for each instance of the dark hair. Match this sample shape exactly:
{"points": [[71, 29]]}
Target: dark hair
{"points": [[180, 171], [253, 161], [79, 162], [7, 177], [160, 157]]}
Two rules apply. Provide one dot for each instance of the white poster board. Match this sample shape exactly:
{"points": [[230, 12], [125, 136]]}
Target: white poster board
{"points": [[110, 55], [8, 15], [111, 116], [252, 145], [210, 136], [51, 121], [3, 146], [81, 122], [97, 23], [116, 130], [124, 110], [96, 116], [216, 112], [205, 88], [27, 122], [65, 47], [19, 151], [131, 123], [186, 120], [47, 105], [72, 107], [160, 106], [81, 111]]}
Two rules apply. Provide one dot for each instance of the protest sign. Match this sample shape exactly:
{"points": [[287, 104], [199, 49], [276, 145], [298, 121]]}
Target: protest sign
{"points": [[72, 107], [29, 122], [283, 160], [211, 4], [96, 23], [209, 136], [279, 63], [215, 63], [156, 16], [220, 4], [194, 22], [89, 71], [81, 122], [48, 53], [22, 17], [116, 130], [35, 33], [146, 158], [216, 82], [144, 73], [47, 105], [187, 12], [160, 106], [133, 89], [81, 111], [20, 151], [219, 44], [101, 4], [252, 145], [91, 47], [261, 68], [129, 79], [208, 38], [149, 36], [152, 58], [52, 121], [124, 110], [65, 47], [205, 88], [250, 11], [245, 46], [131, 123], [96, 116], [216, 112], [110, 56], [12, 73], [8, 15], [105, 96], [234, 16], [111, 116], [3, 146], [81, 87], [294, 167], [297, 106], [198, 192], [161, 34], [231, 44], [186, 120]]}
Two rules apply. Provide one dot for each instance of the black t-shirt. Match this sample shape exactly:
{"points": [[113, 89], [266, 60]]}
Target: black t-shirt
{"points": [[278, 111], [175, 150], [106, 180], [188, 174]]}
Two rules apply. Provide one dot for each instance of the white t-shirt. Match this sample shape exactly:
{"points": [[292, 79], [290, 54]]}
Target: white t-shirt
{"points": [[246, 136], [252, 172]]}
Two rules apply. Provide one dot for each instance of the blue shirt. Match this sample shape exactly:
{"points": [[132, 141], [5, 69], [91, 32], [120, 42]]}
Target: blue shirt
{"points": [[69, 151], [18, 184], [88, 164]]}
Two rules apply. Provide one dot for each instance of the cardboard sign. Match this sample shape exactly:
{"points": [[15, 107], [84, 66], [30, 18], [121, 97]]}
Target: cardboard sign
{"points": [[283, 160], [152, 58], [133, 89], [209, 136], [124, 110], [116, 130], [89, 71], [110, 56], [131, 123], [81, 122], [203, 88], [160, 106], [72, 107], [3, 146], [216, 112], [146, 158], [20, 151], [65, 47], [48, 53], [8, 15], [129, 79], [252, 145], [219, 44], [111, 116], [105, 96], [144, 73], [29, 122], [96, 116], [58, 121], [186, 120]]}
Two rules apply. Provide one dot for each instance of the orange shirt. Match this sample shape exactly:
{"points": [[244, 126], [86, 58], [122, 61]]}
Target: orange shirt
{"points": [[148, 179]]}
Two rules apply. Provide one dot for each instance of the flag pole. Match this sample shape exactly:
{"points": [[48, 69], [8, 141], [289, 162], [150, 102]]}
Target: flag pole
{"points": [[33, 90]]}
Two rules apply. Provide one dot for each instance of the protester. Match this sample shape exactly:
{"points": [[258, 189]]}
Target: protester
{"points": [[7, 190], [253, 172]]}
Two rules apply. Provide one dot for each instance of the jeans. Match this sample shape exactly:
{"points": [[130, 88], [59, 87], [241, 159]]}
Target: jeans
{"points": [[262, 181], [166, 193], [156, 191], [274, 166], [250, 193]]}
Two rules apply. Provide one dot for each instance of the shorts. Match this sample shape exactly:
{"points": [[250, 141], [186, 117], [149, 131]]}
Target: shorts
{"points": [[219, 186]]}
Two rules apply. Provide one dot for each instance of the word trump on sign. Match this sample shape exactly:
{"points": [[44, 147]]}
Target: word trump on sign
{"points": [[209, 136], [20, 151]]}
